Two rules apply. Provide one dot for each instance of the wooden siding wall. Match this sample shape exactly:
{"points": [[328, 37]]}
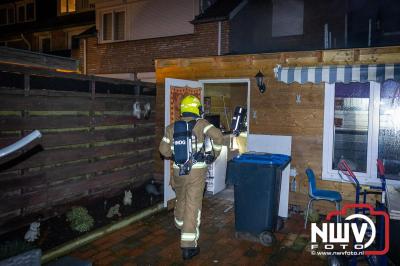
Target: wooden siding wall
{"points": [[277, 111], [91, 147]]}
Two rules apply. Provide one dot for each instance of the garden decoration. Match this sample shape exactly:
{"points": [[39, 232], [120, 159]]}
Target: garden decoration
{"points": [[80, 219], [33, 232], [113, 211], [151, 188], [147, 110], [138, 112], [127, 198]]}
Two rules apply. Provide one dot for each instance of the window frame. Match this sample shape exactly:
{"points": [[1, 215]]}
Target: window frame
{"points": [[101, 18], [43, 37], [78, 7], [34, 10], [373, 133], [6, 9], [24, 4]]}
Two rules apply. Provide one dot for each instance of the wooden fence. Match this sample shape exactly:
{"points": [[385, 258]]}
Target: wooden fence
{"points": [[92, 145]]}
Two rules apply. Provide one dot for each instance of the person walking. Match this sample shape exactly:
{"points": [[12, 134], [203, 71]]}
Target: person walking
{"points": [[185, 143]]}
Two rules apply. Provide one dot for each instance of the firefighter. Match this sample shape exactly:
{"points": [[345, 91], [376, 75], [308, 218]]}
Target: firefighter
{"points": [[184, 143]]}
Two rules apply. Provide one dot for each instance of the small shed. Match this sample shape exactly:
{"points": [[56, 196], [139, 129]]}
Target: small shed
{"points": [[327, 101]]}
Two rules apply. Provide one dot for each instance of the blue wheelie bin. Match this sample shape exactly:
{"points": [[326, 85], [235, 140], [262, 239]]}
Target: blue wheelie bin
{"points": [[257, 183]]}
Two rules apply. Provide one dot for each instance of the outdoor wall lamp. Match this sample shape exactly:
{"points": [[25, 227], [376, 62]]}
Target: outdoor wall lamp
{"points": [[260, 82]]}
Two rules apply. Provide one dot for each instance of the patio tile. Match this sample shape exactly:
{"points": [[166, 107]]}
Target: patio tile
{"points": [[155, 241]]}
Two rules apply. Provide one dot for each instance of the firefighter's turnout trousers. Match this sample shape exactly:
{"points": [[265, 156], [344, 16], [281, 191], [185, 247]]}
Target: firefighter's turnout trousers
{"points": [[189, 196], [189, 188]]}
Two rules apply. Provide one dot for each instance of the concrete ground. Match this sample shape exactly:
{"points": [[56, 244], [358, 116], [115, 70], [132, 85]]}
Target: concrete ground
{"points": [[155, 241]]}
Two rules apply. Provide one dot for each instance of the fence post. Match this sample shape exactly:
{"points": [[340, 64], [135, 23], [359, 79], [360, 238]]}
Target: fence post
{"points": [[93, 88], [27, 84]]}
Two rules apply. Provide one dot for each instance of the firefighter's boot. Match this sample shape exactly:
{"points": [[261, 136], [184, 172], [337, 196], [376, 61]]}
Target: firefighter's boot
{"points": [[188, 253]]}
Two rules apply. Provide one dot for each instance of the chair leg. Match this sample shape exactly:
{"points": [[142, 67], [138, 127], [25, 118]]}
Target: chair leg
{"points": [[338, 218], [308, 209]]}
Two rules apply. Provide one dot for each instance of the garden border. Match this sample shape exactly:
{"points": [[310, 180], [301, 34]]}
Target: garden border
{"points": [[89, 237]]}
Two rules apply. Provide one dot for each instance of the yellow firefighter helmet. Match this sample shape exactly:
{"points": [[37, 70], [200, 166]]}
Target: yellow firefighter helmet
{"points": [[191, 104]]}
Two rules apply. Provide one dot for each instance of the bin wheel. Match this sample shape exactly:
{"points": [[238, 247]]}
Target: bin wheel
{"points": [[279, 223], [267, 238]]}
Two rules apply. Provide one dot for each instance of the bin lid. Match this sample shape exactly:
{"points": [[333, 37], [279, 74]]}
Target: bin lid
{"points": [[263, 158]]}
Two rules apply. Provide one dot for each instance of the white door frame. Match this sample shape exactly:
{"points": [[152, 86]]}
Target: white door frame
{"points": [[168, 191]]}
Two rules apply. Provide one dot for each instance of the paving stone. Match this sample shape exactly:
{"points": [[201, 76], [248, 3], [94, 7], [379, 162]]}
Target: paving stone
{"points": [[156, 241]]}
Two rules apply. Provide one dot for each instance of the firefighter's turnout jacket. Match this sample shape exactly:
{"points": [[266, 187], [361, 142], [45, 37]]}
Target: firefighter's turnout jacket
{"points": [[189, 188]]}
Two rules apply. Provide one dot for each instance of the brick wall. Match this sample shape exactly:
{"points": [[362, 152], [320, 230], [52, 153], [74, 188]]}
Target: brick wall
{"points": [[139, 55]]}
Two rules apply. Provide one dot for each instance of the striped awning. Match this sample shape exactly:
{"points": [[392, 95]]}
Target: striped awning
{"points": [[332, 74]]}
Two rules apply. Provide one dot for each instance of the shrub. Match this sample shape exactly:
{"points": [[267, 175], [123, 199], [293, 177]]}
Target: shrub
{"points": [[80, 220]]}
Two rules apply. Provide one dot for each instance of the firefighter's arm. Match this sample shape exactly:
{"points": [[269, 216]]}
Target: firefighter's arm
{"points": [[216, 136], [165, 144]]}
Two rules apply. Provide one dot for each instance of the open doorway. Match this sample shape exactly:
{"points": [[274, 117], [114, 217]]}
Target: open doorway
{"points": [[220, 101], [221, 98]]}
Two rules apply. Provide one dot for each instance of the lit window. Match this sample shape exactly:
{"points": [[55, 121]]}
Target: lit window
{"points": [[67, 6], [113, 26], [362, 124]]}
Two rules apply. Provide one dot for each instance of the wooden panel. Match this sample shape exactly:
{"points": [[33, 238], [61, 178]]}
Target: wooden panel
{"points": [[51, 157], [54, 175], [92, 146], [276, 110]]}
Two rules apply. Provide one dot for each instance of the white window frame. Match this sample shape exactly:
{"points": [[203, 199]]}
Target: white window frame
{"points": [[24, 4], [112, 11], [369, 177], [41, 38]]}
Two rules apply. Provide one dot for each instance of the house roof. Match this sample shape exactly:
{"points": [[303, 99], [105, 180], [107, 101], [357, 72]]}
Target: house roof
{"points": [[220, 10], [92, 31]]}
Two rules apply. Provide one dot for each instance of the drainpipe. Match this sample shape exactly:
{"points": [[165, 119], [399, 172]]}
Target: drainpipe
{"points": [[219, 37], [369, 32], [84, 57], [345, 30], [326, 36], [27, 42]]}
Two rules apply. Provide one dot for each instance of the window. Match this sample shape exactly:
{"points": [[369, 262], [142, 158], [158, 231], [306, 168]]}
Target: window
{"points": [[107, 26], [119, 25], [7, 15], [11, 16], [44, 44], [25, 11], [71, 6], [361, 124], [3, 16], [287, 17], [30, 11], [21, 13], [67, 6], [113, 26]]}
